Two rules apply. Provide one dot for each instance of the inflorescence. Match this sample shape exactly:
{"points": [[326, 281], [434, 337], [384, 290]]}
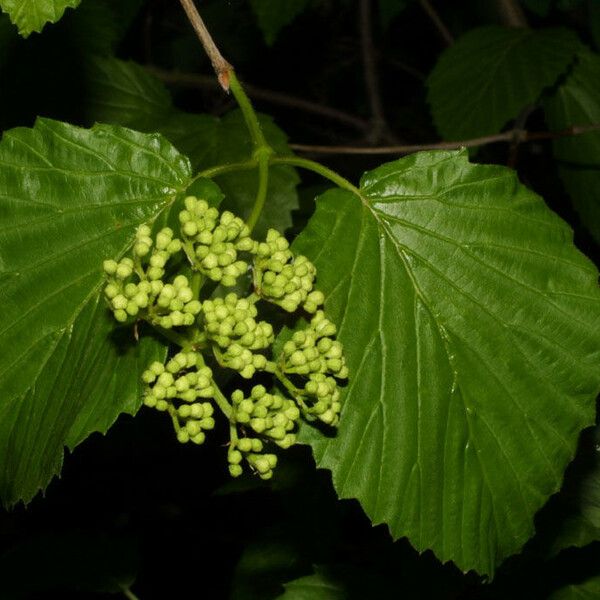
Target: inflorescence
{"points": [[226, 330]]}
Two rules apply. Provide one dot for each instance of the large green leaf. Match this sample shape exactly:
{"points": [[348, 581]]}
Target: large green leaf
{"points": [[124, 93], [69, 198], [577, 102], [32, 15], [490, 74], [274, 15], [472, 329]]}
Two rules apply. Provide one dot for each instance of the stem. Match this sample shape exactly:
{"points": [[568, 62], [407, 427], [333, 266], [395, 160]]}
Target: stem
{"points": [[228, 80], [172, 336], [511, 13], [196, 284], [220, 399], [506, 136], [173, 414], [262, 150], [248, 111], [316, 167], [233, 436], [222, 402], [261, 194], [437, 21], [222, 68], [217, 170], [128, 593], [290, 387]]}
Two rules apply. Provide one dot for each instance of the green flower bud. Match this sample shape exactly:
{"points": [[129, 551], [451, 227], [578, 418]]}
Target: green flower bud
{"points": [[150, 400], [155, 273], [199, 438], [235, 470], [246, 445], [185, 411], [110, 267], [234, 457], [120, 315]]}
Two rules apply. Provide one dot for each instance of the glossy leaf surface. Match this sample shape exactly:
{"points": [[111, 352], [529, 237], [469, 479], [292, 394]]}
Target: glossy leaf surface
{"points": [[472, 329], [70, 198]]}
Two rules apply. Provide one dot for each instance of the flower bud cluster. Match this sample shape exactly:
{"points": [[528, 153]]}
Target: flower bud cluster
{"points": [[215, 240], [250, 450], [231, 323], [269, 415], [164, 248], [324, 395], [166, 305], [180, 387], [174, 303], [309, 367], [282, 278], [313, 352]]}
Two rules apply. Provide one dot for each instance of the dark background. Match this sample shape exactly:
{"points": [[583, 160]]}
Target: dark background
{"points": [[136, 501]]}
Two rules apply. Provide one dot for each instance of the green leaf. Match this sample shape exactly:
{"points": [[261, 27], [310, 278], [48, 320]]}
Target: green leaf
{"points": [[577, 102], [274, 15], [491, 74], [346, 582], [471, 326], [69, 198], [318, 586], [31, 15], [126, 94], [99, 25], [588, 590]]}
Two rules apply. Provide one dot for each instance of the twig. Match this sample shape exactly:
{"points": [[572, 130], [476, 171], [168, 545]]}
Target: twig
{"points": [[127, 592], [220, 65], [370, 71], [512, 135], [519, 126], [511, 13], [258, 93], [437, 21], [402, 66]]}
